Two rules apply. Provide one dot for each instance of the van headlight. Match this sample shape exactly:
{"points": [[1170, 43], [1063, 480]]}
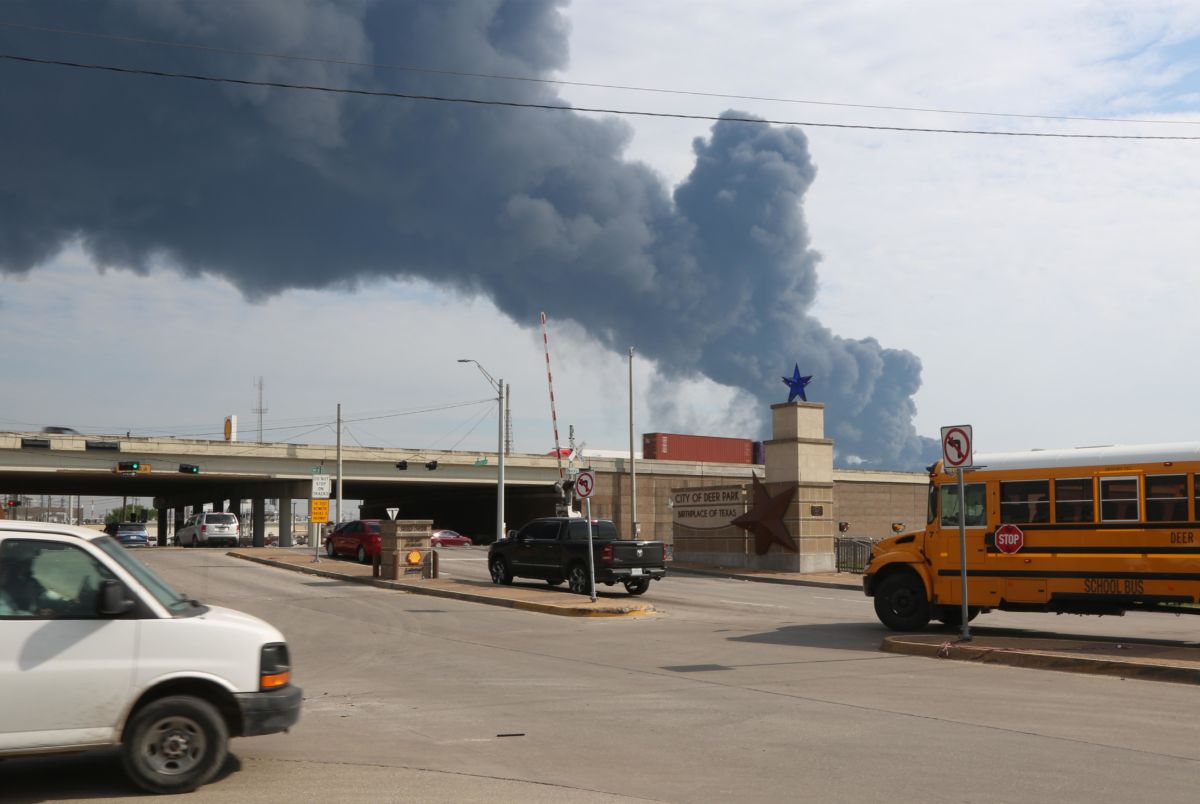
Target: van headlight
{"points": [[274, 666]]}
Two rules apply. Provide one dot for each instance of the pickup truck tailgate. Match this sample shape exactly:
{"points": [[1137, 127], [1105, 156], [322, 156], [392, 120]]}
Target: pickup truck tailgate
{"points": [[636, 554]]}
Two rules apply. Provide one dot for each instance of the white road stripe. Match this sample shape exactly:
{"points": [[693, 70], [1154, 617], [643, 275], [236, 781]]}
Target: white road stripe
{"points": [[742, 603]]}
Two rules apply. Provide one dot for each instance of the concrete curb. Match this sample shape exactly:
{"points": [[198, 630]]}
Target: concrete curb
{"points": [[1042, 660], [615, 610], [736, 576]]}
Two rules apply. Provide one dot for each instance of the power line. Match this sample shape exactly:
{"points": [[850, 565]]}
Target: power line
{"points": [[561, 108], [585, 84]]}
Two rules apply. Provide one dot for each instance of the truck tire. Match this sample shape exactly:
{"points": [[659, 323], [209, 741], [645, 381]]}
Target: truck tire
{"points": [[500, 572], [901, 603], [637, 587], [577, 579], [175, 744]]}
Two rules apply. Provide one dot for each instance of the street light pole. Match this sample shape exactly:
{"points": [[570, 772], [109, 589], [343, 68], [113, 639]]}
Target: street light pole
{"points": [[500, 389]]}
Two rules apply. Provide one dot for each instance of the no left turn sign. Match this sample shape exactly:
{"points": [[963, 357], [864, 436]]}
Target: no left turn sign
{"points": [[957, 446], [585, 484]]}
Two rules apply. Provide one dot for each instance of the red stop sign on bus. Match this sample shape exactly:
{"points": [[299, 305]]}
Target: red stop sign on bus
{"points": [[1009, 539]]}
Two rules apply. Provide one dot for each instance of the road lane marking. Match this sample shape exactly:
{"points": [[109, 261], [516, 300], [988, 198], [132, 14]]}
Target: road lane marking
{"points": [[761, 605]]}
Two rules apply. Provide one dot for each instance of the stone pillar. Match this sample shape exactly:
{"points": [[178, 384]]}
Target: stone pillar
{"points": [[162, 527], [397, 539], [258, 508], [800, 456], [284, 507]]}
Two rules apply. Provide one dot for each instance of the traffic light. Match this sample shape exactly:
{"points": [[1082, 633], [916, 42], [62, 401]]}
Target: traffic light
{"points": [[189, 468], [431, 465], [402, 466], [129, 466]]}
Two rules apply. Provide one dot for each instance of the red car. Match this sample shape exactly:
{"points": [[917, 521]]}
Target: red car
{"points": [[359, 538], [448, 538]]}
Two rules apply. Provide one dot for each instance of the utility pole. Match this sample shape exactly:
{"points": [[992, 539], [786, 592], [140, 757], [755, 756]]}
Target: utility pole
{"points": [[260, 410], [338, 506], [508, 420], [633, 523], [501, 448]]}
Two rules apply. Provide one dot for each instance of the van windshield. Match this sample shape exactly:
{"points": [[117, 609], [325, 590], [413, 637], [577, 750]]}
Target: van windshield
{"points": [[163, 593]]}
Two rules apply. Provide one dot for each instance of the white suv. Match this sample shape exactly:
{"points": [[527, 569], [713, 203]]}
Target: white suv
{"points": [[210, 528], [96, 650]]}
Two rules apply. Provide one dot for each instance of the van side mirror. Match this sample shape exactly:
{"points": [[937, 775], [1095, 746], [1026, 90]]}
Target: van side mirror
{"points": [[512, 534], [113, 600]]}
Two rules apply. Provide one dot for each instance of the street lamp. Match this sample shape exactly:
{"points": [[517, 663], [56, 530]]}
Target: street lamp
{"points": [[498, 386]]}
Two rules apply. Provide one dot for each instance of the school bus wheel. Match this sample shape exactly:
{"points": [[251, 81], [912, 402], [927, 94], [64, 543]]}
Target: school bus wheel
{"points": [[900, 602], [951, 616]]}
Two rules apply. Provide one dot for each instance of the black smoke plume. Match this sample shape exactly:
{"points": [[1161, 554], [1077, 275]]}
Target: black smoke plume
{"points": [[277, 189]]}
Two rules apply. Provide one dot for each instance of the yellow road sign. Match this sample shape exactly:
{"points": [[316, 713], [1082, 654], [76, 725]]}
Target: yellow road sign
{"points": [[318, 510]]}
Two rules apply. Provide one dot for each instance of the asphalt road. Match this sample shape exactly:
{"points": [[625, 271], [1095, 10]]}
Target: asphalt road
{"points": [[735, 691]]}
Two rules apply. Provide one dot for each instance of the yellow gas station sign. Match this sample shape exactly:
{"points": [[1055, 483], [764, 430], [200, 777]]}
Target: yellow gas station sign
{"points": [[318, 510]]}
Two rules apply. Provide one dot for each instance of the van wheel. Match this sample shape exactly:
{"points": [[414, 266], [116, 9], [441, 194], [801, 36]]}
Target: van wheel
{"points": [[329, 548], [577, 579], [362, 555], [174, 745], [901, 604]]}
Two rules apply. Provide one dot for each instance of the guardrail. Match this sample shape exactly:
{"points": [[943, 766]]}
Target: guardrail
{"points": [[852, 555]]}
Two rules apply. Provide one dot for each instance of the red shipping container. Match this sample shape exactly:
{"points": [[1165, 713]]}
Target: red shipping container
{"points": [[706, 449]]}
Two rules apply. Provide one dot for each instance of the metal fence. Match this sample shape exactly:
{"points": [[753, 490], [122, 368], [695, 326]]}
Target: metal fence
{"points": [[852, 555]]}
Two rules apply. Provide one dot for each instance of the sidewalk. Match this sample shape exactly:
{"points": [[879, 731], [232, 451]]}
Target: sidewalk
{"points": [[524, 595], [1147, 660]]}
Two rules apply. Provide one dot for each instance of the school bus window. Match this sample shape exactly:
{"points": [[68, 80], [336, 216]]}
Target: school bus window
{"points": [[976, 510], [1119, 499], [932, 505], [1073, 500], [1025, 501], [1166, 498]]}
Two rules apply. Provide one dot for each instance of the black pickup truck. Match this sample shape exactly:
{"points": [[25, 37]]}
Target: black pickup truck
{"points": [[555, 550]]}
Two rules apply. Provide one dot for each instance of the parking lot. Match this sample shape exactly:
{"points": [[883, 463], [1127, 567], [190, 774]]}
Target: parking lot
{"points": [[734, 690]]}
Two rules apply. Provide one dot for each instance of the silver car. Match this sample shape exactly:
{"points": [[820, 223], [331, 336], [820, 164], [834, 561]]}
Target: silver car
{"points": [[211, 528]]}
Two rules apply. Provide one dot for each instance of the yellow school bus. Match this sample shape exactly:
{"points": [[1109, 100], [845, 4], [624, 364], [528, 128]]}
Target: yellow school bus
{"points": [[1090, 530]]}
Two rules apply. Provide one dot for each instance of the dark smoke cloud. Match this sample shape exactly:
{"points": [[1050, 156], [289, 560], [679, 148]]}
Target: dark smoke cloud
{"points": [[277, 189]]}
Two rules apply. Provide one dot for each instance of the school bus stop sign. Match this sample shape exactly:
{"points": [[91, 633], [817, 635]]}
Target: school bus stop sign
{"points": [[1009, 539]]}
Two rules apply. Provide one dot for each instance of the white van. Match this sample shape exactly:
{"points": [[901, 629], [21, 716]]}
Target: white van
{"points": [[97, 650]]}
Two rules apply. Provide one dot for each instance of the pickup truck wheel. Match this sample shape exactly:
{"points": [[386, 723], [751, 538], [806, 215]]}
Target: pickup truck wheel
{"points": [[499, 569], [174, 745], [577, 579], [637, 587]]}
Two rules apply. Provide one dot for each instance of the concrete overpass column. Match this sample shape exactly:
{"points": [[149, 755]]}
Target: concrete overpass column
{"points": [[180, 517], [235, 508], [162, 527], [218, 506], [259, 512], [284, 507]]}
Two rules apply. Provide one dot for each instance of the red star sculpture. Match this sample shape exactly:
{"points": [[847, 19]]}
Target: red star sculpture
{"points": [[765, 519]]}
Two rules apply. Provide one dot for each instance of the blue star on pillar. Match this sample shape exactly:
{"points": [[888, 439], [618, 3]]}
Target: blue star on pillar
{"points": [[796, 385]]}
